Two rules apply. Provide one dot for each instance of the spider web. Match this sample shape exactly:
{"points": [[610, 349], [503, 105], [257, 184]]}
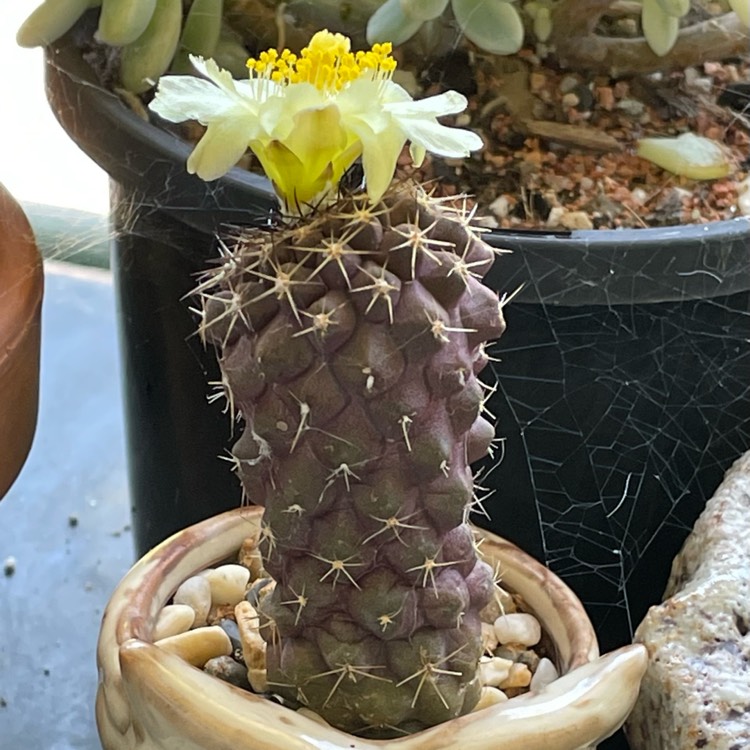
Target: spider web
{"points": [[619, 422]]}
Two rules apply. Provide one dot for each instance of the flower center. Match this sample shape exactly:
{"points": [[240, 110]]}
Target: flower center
{"points": [[327, 63]]}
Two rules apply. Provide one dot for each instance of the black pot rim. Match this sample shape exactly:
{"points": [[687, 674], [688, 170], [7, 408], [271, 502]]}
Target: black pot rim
{"points": [[572, 268]]}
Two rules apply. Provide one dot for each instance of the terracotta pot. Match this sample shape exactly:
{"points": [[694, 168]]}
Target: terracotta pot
{"points": [[21, 285], [153, 700]]}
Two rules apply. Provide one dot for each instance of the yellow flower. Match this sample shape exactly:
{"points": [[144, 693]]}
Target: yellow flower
{"points": [[309, 117]]}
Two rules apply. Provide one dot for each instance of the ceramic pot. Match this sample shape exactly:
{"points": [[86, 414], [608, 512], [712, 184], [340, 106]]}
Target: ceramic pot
{"points": [[153, 700], [21, 286]]}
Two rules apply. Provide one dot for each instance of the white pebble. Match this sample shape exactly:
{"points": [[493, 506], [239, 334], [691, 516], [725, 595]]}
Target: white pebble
{"points": [[500, 207], [228, 584], [494, 670], [546, 673], [490, 696], [195, 593], [258, 680], [518, 627], [197, 646], [173, 620]]}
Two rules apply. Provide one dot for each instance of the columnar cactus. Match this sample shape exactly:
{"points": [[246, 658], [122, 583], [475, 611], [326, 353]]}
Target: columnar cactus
{"points": [[350, 343], [350, 337]]}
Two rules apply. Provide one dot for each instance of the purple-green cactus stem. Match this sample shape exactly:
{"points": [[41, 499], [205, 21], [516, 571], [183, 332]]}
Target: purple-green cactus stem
{"points": [[350, 344]]}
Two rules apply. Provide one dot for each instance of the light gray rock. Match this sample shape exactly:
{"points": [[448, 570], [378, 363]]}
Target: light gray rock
{"points": [[696, 692]]}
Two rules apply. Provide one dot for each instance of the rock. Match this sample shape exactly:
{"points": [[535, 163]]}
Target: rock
{"points": [[519, 676], [576, 220], [493, 670], [231, 628], [253, 645], [197, 646], [195, 592], [545, 674], [490, 696], [228, 584], [173, 620], [518, 627], [227, 669], [696, 692]]}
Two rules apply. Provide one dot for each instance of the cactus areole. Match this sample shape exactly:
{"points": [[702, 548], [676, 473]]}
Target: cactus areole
{"points": [[350, 337]]}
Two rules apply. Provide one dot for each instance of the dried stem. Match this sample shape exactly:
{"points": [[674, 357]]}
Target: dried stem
{"points": [[578, 47]]}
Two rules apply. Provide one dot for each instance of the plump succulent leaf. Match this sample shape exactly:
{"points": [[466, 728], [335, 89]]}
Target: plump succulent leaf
{"points": [[493, 25], [676, 8], [688, 155], [742, 9], [659, 28], [423, 10], [389, 23]]}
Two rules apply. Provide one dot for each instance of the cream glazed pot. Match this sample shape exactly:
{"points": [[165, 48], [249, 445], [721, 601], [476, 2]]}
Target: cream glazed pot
{"points": [[150, 699]]}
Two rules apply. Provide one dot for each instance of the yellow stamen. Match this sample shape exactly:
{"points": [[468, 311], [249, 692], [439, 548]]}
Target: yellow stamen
{"points": [[327, 63]]}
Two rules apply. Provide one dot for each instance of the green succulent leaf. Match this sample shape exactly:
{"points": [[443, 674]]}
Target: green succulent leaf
{"points": [[423, 10], [688, 155], [742, 9], [50, 21], [493, 25], [659, 28], [389, 24], [675, 8]]}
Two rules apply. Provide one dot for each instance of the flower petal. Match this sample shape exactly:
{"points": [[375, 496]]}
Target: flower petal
{"points": [[180, 98], [220, 148]]}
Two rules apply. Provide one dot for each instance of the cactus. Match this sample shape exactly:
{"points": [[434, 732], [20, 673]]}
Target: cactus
{"points": [[350, 343], [350, 337]]}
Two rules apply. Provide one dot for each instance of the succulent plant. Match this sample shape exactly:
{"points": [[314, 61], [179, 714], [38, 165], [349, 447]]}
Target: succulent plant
{"points": [[350, 337], [158, 35]]}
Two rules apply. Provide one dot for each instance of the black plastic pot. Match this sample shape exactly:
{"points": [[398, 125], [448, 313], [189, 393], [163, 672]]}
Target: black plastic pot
{"points": [[622, 380]]}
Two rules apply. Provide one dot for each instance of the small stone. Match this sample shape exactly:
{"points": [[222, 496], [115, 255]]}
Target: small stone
{"points": [[606, 97], [500, 207], [519, 676], [228, 583], [463, 120], [72, 521], [490, 696], [195, 592], [576, 220], [586, 183], [9, 566], [567, 84], [253, 645], [519, 627], [639, 196], [537, 81], [570, 100], [494, 670], [231, 628], [545, 674], [227, 669], [197, 646], [554, 218], [173, 620], [631, 107], [258, 680]]}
